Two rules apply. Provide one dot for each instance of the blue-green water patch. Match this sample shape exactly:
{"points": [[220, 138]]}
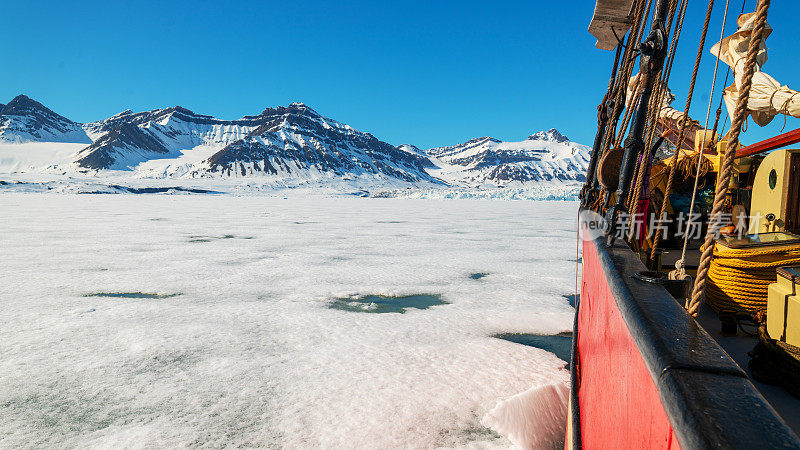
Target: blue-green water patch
{"points": [[573, 299], [558, 344], [130, 295], [386, 304], [478, 275]]}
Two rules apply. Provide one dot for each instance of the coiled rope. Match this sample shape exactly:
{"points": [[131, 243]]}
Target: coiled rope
{"points": [[688, 168], [738, 278], [740, 115]]}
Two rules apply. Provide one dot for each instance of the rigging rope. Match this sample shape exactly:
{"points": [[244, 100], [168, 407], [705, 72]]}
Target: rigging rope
{"points": [[680, 265], [602, 122], [682, 128], [722, 97], [756, 37], [642, 169], [620, 89], [639, 21]]}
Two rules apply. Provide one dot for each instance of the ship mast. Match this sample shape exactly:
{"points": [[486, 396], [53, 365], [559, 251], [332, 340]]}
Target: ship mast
{"points": [[653, 50]]}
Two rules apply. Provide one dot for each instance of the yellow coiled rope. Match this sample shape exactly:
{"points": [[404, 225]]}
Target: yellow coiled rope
{"points": [[739, 277]]}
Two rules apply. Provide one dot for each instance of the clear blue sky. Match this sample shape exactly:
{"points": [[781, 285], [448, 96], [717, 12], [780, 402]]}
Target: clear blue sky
{"points": [[428, 73]]}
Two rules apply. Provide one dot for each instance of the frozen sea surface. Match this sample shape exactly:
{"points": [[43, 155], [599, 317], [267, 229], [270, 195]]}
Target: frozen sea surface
{"points": [[151, 321]]}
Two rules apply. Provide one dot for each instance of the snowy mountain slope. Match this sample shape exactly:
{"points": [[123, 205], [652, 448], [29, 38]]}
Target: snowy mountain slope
{"points": [[127, 139], [411, 149], [26, 120], [417, 152], [296, 141], [546, 156], [37, 157], [290, 146]]}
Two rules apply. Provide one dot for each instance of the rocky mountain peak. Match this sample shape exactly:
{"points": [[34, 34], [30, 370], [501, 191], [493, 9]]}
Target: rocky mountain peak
{"points": [[482, 139], [182, 110], [24, 119], [551, 135], [127, 112], [296, 108], [22, 105]]}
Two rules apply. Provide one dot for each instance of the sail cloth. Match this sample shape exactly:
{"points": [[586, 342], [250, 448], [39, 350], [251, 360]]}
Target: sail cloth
{"points": [[767, 96], [610, 22]]}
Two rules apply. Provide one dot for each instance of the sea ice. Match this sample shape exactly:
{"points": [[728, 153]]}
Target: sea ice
{"points": [[249, 353]]}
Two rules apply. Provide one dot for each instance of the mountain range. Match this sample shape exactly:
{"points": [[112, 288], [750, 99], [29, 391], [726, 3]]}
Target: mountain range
{"points": [[293, 143]]}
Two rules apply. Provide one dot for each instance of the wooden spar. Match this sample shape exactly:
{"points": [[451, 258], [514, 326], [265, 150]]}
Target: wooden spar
{"points": [[772, 143], [611, 20]]}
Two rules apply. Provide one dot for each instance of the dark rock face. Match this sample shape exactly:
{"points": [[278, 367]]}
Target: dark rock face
{"points": [[104, 151], [153, 134], [491, 158], [22, 105], [418, 153], [25, 119], [157, 115]]}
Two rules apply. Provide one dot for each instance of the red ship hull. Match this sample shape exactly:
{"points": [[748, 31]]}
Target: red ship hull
{"points": [[614, 377], [646, 375]]}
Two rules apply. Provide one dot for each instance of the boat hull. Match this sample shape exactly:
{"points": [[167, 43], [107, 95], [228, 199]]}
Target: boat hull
{"points": [[646, 375], [614, 377]]}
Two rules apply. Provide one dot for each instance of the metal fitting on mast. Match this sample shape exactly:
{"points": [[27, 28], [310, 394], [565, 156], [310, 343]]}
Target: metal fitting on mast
{"points": [[653, 50]]}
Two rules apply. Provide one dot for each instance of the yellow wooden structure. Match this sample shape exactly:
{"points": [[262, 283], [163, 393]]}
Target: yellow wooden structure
{"points": [[783, 307]]}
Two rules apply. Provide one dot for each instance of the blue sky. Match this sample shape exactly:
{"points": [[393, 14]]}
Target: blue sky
{"points": [[428, 73]]}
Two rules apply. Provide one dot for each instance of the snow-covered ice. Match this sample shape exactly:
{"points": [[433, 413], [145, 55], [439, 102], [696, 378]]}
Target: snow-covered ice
{"points": [[534, 418], [249, 353]]}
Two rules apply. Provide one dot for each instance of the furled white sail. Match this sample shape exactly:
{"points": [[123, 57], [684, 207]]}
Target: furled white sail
{"points": [[768, 97], [665, 109]]}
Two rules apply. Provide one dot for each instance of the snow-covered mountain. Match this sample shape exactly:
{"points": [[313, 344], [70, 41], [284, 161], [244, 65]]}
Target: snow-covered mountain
{"points": [[286, 146], [293, 142], [417, 152], [26, 120], [545, 156], [297, 139], [128, 139]]}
